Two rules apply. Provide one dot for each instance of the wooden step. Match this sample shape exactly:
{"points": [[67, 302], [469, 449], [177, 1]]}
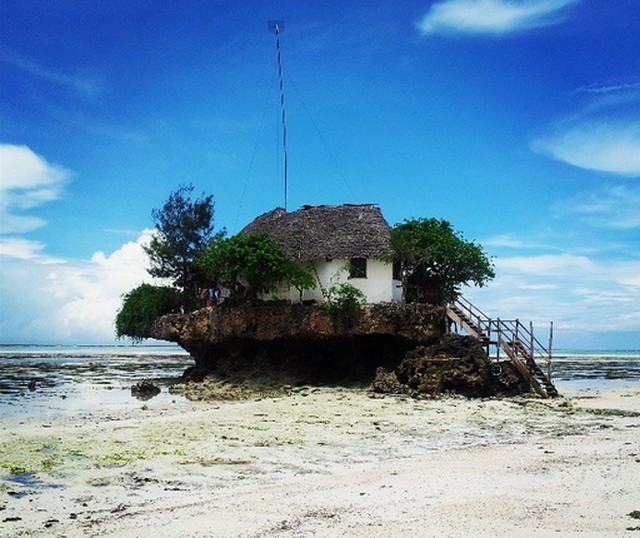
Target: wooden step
{"points": [[519, 352]]}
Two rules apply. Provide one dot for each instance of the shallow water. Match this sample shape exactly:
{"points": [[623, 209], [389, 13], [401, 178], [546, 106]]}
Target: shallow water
{"points": [[593, 370], [56, 380]]}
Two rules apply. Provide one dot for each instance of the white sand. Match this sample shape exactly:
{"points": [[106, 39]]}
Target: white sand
{"points": [[330, 463]]}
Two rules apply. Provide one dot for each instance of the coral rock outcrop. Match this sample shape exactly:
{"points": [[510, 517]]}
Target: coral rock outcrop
{"points": [[397, 348]]}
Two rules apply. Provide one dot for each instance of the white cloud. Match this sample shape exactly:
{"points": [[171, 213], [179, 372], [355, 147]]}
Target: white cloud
{"points": [[605, 146], [18, 224], [75, 301], [22, 249], [510, 241], [581, 295], [50, 300], [547, 264], [23, 169], [607, 88], [84, 84], [491, 16], [611, 207], [27, 181], [504, 240]]}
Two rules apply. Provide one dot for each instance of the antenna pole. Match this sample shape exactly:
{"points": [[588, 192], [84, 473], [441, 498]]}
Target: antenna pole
{"points": [[277, 27]]}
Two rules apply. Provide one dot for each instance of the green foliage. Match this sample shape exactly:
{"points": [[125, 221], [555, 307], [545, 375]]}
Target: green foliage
{"points": [[142, 305], [344, 303], [435, 260], [184, 230], [250, 265]]}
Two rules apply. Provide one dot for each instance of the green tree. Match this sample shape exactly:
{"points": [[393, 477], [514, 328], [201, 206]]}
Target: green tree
{"points": [[142, 305], [252, 264], [184, 228], [434, 260]]}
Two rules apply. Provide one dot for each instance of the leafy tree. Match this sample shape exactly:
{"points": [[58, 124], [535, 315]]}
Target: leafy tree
{"points": [[184, 230], [434, 260], [142, 305], [252, 264]]}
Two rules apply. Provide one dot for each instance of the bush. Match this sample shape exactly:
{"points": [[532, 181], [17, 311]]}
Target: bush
{"points": [[142, 306], [344, 303]]}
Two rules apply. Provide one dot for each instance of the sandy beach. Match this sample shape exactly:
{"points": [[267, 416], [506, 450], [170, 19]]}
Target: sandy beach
{"points": [[329, 462]]}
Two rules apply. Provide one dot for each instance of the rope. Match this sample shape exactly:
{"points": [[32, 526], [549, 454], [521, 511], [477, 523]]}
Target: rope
{"points": [[322, 138], [253, 155], [284, 123]]}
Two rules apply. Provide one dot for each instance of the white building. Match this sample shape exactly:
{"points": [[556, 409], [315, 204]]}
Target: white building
{"points": [[346, 243]]}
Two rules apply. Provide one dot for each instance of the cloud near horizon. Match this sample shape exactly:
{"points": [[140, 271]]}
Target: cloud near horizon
{"points": [[491, 17], [73, 301], [49, 299], [581, 294]]}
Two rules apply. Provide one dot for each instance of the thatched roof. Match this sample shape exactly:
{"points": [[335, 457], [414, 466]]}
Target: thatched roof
{"points": [[326, 232]]}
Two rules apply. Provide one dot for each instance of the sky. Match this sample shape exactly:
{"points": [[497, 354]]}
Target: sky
{"points": [[516, 120]]}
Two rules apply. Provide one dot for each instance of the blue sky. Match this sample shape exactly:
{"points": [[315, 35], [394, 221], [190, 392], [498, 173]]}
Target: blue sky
{"points": [[518, 121]]}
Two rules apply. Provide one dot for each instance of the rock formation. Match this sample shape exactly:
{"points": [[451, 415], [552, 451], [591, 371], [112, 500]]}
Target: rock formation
{"points": [[299, 337], [403, 346], [455, 364]]}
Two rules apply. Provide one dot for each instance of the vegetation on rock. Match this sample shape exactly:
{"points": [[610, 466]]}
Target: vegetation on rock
{"points": [[344, 303], [142, 306], [434, 260], [250, 265]]}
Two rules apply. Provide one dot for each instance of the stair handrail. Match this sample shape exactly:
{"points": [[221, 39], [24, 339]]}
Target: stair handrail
{"points": [[506, 330], [524, 335], [476, 315], [514, 337]]}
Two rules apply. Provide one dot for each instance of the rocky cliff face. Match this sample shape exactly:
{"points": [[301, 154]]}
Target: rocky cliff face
{"points": [[454, 364], [303, 339], [397, 348]]}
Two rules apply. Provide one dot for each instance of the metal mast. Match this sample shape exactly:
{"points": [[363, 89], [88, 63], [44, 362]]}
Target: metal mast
{"points": [[277, 27]]}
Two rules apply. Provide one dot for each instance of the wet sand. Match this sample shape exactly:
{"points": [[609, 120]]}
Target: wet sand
{"points": [[328, 462]]}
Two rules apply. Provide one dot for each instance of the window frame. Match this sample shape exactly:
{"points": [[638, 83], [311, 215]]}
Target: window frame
{"points": [[358, 268]]}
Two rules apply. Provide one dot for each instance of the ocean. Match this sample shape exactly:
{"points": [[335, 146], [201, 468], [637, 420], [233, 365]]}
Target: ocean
{"points": [[58, 380]]}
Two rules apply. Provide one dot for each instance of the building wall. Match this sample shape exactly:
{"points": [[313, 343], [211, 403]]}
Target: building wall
{"points": [[378, 286]]}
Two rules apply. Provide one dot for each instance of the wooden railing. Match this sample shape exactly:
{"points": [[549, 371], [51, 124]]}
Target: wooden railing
{"points": [[513, 337]]}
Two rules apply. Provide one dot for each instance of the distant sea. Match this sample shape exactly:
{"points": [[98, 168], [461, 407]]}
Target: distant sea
{"points": [[58, 380]]}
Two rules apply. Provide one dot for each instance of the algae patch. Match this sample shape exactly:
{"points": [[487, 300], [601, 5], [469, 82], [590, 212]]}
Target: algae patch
{"points": [[22, 455]]}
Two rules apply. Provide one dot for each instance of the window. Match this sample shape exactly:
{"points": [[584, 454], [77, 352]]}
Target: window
{"points": [[358, 268], [397, 271]]}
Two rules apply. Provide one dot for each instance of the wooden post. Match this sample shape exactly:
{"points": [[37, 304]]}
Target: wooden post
{"points": [[499, 341], [531, 338], [550, 356]]}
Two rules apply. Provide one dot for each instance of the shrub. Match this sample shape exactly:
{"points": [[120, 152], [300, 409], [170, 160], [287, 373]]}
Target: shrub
{"points": [[344, 303], [142, 306]]}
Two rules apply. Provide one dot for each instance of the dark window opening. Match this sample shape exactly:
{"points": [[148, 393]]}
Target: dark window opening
{"points": [[358, 268], [397, 271]]}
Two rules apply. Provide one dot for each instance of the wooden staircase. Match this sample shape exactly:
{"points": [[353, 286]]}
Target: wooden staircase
{"points": [[511, 336]]}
